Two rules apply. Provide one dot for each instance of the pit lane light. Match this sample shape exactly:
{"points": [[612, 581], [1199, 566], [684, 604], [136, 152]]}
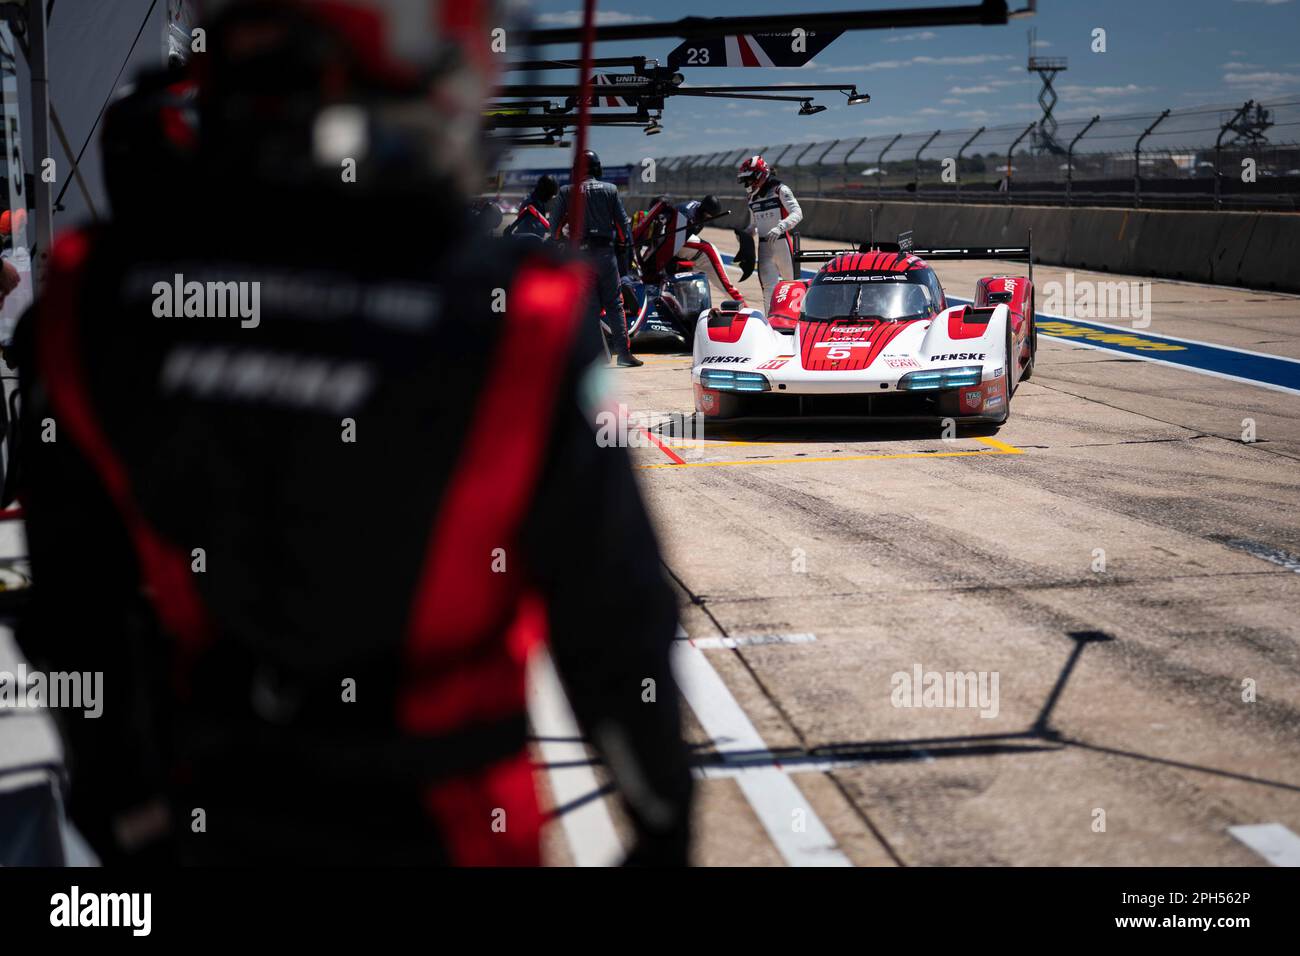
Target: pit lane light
{"points": [[929, 381], [856, 98], [729, 380], [809, 108], [653, 129]]}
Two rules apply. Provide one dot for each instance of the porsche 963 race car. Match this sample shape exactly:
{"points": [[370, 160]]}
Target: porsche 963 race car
{"points": [[871, 335]]}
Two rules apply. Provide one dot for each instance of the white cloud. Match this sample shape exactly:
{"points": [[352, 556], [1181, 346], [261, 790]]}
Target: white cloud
{"points": [[971, 90], [1076, 90], [1266, 3], [966, 60], [908, 37], [951, 101], [894, 123], [1265, 78], [573, 18], [863, 67], [962, 60]]}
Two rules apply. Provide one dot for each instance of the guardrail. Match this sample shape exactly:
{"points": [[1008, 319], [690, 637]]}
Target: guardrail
{"points": [[1253, 249], [1243, 156]]}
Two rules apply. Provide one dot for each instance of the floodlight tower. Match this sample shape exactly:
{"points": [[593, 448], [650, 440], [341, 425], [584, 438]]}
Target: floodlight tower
{"points": [[1046, 67]]}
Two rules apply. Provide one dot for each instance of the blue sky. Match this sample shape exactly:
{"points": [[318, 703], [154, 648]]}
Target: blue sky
{"points": [[1160, 53]]}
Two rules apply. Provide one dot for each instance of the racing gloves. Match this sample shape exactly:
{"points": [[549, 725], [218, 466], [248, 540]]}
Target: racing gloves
{"points": [[746, 257]]}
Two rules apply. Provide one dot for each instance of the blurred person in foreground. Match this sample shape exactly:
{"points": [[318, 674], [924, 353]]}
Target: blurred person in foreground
{"points": [[312, 505]]}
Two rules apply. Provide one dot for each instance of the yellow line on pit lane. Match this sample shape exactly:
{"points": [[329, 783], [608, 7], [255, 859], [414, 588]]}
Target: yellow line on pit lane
{"points": [[995, 447]]}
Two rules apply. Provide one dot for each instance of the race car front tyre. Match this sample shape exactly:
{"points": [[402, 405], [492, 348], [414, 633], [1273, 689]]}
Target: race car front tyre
{"points": [[1033, 342], [1008, 369], [635, 315], [672, 310]]}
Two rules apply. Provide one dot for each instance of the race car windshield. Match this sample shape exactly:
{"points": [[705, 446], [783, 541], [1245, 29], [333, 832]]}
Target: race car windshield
{"points": [[859, 297]]}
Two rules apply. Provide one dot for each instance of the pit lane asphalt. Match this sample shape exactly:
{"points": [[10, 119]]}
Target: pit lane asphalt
{"points": [[1120, 698]]}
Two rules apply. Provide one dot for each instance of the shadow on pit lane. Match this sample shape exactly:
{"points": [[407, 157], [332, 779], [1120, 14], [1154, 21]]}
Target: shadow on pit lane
{"points": [[659, 345], [1038, 737], [806, 430]]}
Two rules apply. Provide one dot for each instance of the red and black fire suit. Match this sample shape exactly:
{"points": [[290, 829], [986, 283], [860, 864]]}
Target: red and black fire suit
{"points": [[668, 234], [531, 222], [310, 551]]}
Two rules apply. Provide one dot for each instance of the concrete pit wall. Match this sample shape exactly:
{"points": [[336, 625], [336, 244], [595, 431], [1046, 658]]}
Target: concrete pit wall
{"points": [[1259, 250]]}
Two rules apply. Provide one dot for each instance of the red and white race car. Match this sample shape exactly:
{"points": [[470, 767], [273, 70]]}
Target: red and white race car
{"points": [[871, 334]]}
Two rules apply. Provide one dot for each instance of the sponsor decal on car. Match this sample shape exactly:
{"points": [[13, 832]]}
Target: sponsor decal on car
{"points": [[852, 277], [902, 363], [993, 401], [725, 360], [842, 348], [959, 357], [776, 363], [972, 398]]}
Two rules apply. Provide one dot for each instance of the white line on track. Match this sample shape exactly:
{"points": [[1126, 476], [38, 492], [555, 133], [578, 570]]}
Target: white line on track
{"points": [[588, 827], [801, 838], [1272, 841], [1170, 364], [751, 640], [799, 834]]}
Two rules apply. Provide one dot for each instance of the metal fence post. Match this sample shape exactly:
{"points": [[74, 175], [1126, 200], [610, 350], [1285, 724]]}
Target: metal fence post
{"points": [[1218, 151], [1137, 158], [880, 168], [849, 155], [795, 165], [916, 167], [959, 152], [1028, 129], [824, 154], [1069, 158]]}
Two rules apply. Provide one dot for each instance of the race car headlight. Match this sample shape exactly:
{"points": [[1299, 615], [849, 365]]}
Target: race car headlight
{"points": [[940, 378], [728, 380]]}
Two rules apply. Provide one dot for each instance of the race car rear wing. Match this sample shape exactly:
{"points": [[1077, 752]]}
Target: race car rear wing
{"points": [[1023, 253]]}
